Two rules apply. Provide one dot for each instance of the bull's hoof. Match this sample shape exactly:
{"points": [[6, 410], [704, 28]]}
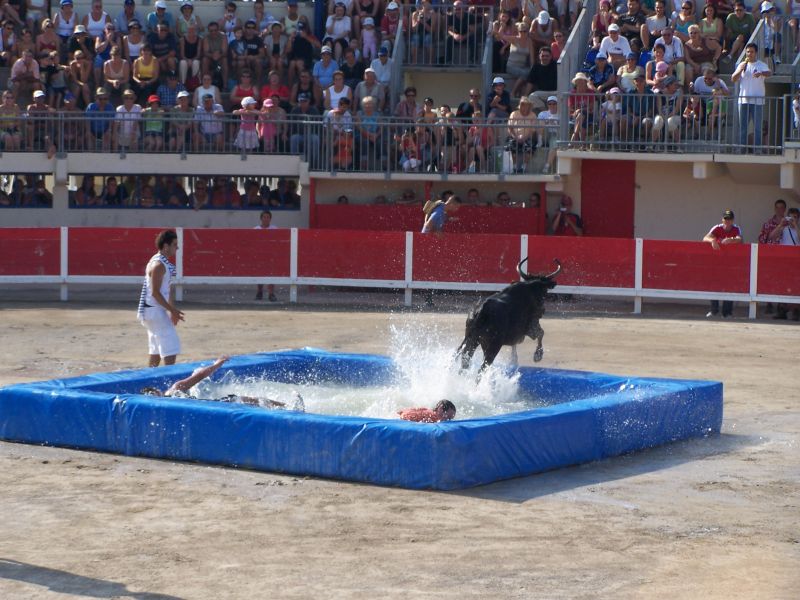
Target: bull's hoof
{"points": [[537, 356]]}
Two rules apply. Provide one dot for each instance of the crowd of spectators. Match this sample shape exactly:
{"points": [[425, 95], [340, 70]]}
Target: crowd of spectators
{"points": [[473, 197]]}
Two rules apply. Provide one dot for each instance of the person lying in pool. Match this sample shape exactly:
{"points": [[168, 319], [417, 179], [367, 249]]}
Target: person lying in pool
{"points": [[443, 411], [180, 389]]}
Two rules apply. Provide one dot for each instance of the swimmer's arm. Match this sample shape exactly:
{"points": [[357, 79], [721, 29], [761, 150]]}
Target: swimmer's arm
{"points": [[184, 385]]}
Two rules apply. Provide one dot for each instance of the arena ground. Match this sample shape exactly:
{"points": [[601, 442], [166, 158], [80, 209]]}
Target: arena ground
{"points": [[709, 518]]}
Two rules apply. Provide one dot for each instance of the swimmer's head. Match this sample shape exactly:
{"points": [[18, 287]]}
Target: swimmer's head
{"points": [[150, 391], [445, 409]]}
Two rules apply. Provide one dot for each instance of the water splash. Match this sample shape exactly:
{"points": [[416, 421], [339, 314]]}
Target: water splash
{"points": [[427, 373]]}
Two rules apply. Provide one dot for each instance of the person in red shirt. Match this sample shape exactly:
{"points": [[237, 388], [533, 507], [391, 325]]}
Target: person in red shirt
{"points": [[444, 411], [720, 235], [566, 222]]}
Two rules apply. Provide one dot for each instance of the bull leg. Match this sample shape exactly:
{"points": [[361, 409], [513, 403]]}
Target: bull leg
{"points": [[514, 357], [489, 354], [465, 351], [538, 334]]}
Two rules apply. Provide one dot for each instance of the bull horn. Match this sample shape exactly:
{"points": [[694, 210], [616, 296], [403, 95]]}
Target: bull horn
{"points": [[557, 271], [523, 274]]}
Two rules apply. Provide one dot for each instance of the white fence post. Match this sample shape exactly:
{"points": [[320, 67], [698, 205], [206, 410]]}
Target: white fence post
{"points": [[523, 246], [409, 272], [293, 265], [179, 266], [637, 277], [64, 269], [753, 305]]}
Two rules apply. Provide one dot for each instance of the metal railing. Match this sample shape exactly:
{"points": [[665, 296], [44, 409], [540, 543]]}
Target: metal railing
{"points": [[445, 36], [571, 59], [792, 120], [677, 123]]}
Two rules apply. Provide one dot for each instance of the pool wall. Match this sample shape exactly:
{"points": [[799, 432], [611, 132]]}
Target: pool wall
{"points": [[104, 412]]}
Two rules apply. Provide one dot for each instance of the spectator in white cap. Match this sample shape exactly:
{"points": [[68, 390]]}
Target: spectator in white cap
{"points": [[498, 102], [369, 38], [460, 30], [180, 123], [370, 87], [549, 119], [160, 16], [615, 46], [771, 31], [541, 34], [389, 26]]}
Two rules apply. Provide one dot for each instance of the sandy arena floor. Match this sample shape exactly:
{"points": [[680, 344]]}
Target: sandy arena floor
{"points": [[711, 518]]}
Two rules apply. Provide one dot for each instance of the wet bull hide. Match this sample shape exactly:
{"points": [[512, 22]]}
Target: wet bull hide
{"points": [[505, 318]]}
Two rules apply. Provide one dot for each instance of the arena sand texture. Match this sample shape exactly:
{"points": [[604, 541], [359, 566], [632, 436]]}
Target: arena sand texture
{"points": [[709, 518]]}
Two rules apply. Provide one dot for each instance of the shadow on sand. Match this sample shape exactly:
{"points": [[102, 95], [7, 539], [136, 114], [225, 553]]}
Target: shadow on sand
{"points": [[629, 465], [70, 583]]}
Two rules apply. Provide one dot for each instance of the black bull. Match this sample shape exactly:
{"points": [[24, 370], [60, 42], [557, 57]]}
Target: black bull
{"points": [[505, 318]]}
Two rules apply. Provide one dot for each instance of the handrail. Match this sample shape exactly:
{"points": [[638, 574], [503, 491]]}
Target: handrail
{"points": [[572, 54], [398, 53], [488, 55]]}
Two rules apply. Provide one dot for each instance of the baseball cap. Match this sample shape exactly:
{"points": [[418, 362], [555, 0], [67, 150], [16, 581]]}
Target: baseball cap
{"points": [[662, 66], [498, 80], [249, 101], [669, 81], [186, 3], [382, 51], [208, 96], [268, 103], [369, 21], [614, 90], [525, 100], [552, 99], [613, 27], [728, 214], [161, 4], [250, 22], [38, 94], [766, 7], [291, 2], [632, 55], [326, 50], [544, 17], [602, 55], [392, 6], [153, 98], [301, 97], [129, 94], [101, 91], [301, 26], [66, 2], [80, 28], [369, 70], [184, 94], [130, 2]]}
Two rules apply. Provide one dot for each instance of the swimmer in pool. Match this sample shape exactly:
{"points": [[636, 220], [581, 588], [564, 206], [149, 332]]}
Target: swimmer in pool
{"points": [[180, 389], [444, 411]]}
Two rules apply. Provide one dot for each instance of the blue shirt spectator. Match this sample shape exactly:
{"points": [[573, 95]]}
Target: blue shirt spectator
{"points": [[160, 15], [100, 115], [324, 73]]}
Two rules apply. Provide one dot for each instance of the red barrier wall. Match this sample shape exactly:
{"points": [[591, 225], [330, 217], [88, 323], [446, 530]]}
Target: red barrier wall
{"points": [[470, 219], [236, 252], [30, 251], [601, 262], [608, 197], [778, 270], [351, 254], [695, 266], [468, 257], [110, 250]]}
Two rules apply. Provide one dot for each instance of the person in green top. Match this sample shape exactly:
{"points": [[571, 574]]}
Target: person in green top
{"points": [[154, 125], [739, 26]]}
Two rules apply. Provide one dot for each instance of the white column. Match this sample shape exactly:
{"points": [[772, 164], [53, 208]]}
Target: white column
{"points": [[64, 263], [637, 274], [293, 265], [409, 273], [179, 265], [753, 305]]}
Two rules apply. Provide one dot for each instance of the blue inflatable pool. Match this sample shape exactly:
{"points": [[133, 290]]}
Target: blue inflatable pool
{"points": [[605, 415]]}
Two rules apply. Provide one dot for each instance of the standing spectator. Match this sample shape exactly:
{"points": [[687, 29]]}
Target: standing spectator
{"points": [[460, 30], [541, 34], [565, 222], [247, 136], [772, 229], [389, 25], [127, 122], [550, 119], [126, 15], [154, 124], [265, 222], [160, 17], [750, 74], [208, 125], [181, 118], [100, 116], [615, 46], [369, 38], [24, 77], [725, 233], [582, 107]]}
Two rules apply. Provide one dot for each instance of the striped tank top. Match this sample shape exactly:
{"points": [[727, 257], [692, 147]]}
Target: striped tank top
{"points": [[146, 299]]}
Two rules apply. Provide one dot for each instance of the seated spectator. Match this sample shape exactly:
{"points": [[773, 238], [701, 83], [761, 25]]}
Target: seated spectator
{"points": [[353, 69], [10, 123], [247, 136], [214, 55], [591, 54], [54, 77], [154, 124], [244, 88], [542, 79], [225, 194], [24, 78], [205, 88], [498, 102], [165, 48], [285, 195], [300, 50], [582, 106], [8, 43], [710, 90], [208, 125], [306, 85], [502, 200], [181, 119], [126, 15], [200, 198], [190, 55], [304, 138], [408, 108], [604, 17], [252, 195], [389, 26], [187, 19], [638, 111], [682, 21], [480, 139], [275, 43], [46, 41], [38, 195], [541, 34], [383, 68], [673, 52], [133, 42], [108, 39], [325, 68], [127, 122], [523, 134], [657, 69], [408, 197], [698, 53], [100, 115], [369, 88], [170, 193], [80, 77], [627, 73], [73, 131], [460, 29], [409, 151], [615, 46], [602, 76], [370, 136], [610, 115], [668, 110], [65, 20], [168, 91], [558, 44], [113, 194], [116, 73], [739, 26], [565, 222], [254, 48], [339, 123], [712, 29], [274, 87], [338, 30], [467, 109], [80, 40], [146, 71], [26, 42], [147, 198], [86, 195], [630, 23], [449, 138], [653, 25], [336, 91], [160, 16]]}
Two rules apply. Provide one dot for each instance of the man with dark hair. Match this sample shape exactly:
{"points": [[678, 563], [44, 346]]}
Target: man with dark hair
{"points": [[542, 79], [739, 26], [444, 411], [265, 222], [720, 235], [157, 311], [751, 74]]}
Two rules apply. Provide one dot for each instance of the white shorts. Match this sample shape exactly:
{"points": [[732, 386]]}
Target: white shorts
{"points": [[162, 337]]}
